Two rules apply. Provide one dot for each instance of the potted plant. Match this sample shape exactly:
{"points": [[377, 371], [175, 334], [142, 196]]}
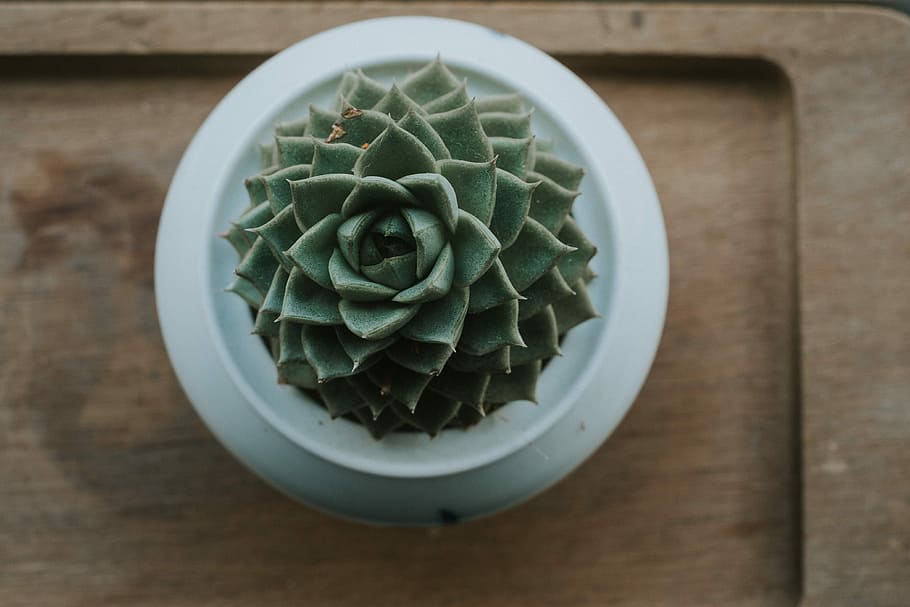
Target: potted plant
{"points": [[419, 263]]}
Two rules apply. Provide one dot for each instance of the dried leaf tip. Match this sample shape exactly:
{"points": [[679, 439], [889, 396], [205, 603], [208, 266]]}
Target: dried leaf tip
{"points": [[351, 112], [337, 133]]}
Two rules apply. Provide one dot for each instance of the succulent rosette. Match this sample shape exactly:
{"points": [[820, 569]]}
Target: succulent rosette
{"points": [[410, 255]]}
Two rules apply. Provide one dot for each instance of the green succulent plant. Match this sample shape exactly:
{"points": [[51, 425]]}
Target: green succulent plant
{"points": [[410, 255]]}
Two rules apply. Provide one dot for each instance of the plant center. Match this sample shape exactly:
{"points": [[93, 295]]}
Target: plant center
{"points": [[391, 246]]}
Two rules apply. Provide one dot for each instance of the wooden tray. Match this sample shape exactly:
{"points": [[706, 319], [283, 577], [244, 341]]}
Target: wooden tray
{"points": [[767, 461]]}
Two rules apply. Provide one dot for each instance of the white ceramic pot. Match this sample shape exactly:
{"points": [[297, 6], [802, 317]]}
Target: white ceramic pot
{"points": [[409, 478]]}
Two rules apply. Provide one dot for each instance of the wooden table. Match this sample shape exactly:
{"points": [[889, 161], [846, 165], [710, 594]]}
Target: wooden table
{"points": [[767, 461]]}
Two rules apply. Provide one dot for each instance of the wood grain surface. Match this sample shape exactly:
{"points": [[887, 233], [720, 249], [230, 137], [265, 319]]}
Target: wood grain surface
{"points": [[767, 461]]}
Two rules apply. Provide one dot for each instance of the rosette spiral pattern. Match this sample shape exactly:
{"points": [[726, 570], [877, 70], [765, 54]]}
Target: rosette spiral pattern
{"points": [[411, 255]]}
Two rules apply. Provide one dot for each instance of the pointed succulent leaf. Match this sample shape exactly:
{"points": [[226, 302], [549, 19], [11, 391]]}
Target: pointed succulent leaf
{"points": [[468, 388], [470, 415], [432, 413], [268, 155], [325, 354], [246, 290], [455, 98], [361, 350], [541, 337], [490, 330], [520, 384], [514, 155], [254, 217], [275, 295], [371, 394], [563, 172], [351, 285], [475, 249], [574, 310], [362, 126], [506, 124], [339, 397], [497, 361], [240, 239], [430, 82], [397, 272], [299, 374], [271, 306], [320, 122], [544, 145], [335, 158], [307, 302], [396, 104], [388, 421], [377, 192], [312, 251], [508, 102], [290, 342], [292, 128], [396, 232], [428, 359], [375, 320], [513, 201], [572, 265], [492, 289], [440, 321], [255, 186], [279, 234], [474, 185], [414, 123], [463, 134], [258, 266], [264, 325], [295, 150], [360, 91], [429, 237], [551, 202], [317, 197], [351, 234], [588, 275], [405, 385], [433, 192], [348, 78], [278, 187], [534, 252], [371, 255], [394, 154], [436, 284], [547, 290]]}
